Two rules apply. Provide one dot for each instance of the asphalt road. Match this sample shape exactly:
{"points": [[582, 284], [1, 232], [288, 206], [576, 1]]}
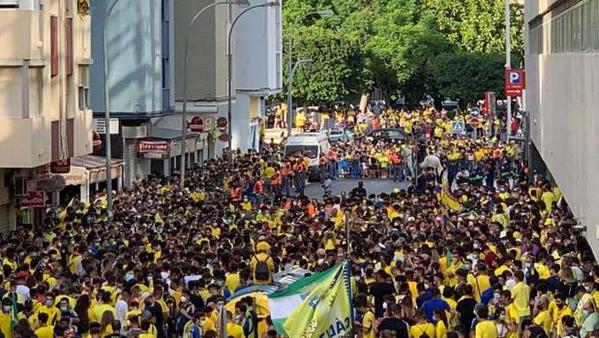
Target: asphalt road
{"points": [[373, 186]]}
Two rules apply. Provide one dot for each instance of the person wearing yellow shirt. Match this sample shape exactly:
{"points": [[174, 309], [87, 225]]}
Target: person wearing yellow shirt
{"points": [[422, 326], [485, 328], [368, 320], [521, 295], [233, 329], [146, 332], [543, 317], [102, 306], [6, 319], [480, 282], [49, 309], [232, 280], [45, 330], [441, 323], [559, 309]]}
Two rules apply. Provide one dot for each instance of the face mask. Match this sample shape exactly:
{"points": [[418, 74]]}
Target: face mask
{"points": [[49, 302], [183, 299], [6, 308], [385, 306], [588, 288], [496, 295], [64, 308], [527, 265], [129, 276], [585, 313], [476, 246], [467, 267]]}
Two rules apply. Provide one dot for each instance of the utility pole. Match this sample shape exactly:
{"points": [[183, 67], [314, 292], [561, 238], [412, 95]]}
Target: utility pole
{"points": [[508, 66]]}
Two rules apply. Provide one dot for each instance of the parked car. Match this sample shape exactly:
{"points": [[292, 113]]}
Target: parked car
{"points": [[388, 134], [339, 135]]}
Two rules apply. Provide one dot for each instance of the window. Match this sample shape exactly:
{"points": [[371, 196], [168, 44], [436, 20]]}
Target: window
{"points": [[573, 28], [20, 186], [69, 46], [9, 4], [53, 46]]}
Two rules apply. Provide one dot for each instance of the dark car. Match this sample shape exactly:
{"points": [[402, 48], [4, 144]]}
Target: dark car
{"points": [[388, 134]]}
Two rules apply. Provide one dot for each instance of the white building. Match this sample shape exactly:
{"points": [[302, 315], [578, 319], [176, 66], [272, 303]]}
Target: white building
{"points": [[258, 71], [562, 64]]}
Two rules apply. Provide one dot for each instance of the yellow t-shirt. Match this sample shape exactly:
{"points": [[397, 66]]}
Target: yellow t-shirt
{"points": [[521, 295], [486, 329], [418, 330], [479, 284], [440, 330], [234, 330], [5, 326], [45, 332], [232, 281], [543, 319], [369, 325]]}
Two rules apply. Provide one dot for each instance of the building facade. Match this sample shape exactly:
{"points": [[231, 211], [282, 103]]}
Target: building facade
{"points": [[256, 49], [258, 71], [44, 111], [140, 76], [562, 89]]}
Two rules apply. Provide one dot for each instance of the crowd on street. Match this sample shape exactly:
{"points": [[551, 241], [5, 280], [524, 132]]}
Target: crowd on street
{"points": [[502, 259]]}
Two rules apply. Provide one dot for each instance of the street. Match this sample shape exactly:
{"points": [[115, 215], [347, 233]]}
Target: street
{"points": [[372, 186]]}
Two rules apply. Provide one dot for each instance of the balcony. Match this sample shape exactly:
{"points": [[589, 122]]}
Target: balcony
{"points": [[20, 36], [35, 141]]}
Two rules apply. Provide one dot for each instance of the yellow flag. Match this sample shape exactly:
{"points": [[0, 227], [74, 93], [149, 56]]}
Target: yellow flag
{"points": [[447, 198], [326, 310]]}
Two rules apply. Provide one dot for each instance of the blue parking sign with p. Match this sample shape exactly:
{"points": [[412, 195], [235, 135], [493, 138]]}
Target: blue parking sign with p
{"points": [[515, 77]]}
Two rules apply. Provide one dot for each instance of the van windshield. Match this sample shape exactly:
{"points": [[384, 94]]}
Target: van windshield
{"points": [[310, 151]]}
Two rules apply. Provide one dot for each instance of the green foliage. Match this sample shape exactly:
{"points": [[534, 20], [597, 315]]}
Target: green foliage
{"points": [[466, 75], [398, 46]]}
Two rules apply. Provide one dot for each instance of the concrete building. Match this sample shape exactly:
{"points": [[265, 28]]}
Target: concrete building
{"points": [[562, 64], [140, 77], [258, 71], [257, 66], [44, 112]]}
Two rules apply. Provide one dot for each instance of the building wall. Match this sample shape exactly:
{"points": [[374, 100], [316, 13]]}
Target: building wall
{"points": [[32, 97], [207, 64], [135, 52], [562, 91], [258, 50]]}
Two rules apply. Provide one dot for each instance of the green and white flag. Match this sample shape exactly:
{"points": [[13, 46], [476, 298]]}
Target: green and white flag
{"points": [[315, 306]]}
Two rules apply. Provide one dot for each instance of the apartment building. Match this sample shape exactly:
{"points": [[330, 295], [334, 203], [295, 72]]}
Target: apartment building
{"points": [[45, 119]]}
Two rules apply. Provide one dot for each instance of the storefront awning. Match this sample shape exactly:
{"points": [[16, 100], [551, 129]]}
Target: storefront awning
{"points": [[94, 166]]}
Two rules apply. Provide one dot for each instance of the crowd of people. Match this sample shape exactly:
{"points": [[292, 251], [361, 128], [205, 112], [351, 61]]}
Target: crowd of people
{"points": [[507, 262]]}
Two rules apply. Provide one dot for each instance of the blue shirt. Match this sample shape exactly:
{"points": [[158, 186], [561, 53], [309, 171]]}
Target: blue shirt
{"points": [[487, 296], [434, 304]]}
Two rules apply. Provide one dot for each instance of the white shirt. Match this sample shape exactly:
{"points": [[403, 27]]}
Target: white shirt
{"points": [[121, 311], [22, 293]]}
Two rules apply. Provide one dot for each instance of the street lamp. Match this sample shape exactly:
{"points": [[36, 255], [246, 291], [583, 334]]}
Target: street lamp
{"points": [[230, 67], [307, 62], [323, 14], [107, 115], [185, 63]]}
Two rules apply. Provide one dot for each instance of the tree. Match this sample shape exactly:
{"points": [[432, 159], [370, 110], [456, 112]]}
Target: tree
{"points": [[478, 26], [466, 75]]}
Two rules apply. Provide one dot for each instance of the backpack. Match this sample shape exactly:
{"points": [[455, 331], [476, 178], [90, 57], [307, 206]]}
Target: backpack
{"points": [[262, 272]]}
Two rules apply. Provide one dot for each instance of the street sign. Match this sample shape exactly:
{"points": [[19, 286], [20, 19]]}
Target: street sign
{"points": [[96, 141], [33, 199], [223, 137], [100, 126], [515, 82], [196, 125], [458, 128], [221, 123], [61, 167]]}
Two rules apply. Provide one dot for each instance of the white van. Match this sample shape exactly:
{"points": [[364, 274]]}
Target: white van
{"points": [[313, 145]]}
